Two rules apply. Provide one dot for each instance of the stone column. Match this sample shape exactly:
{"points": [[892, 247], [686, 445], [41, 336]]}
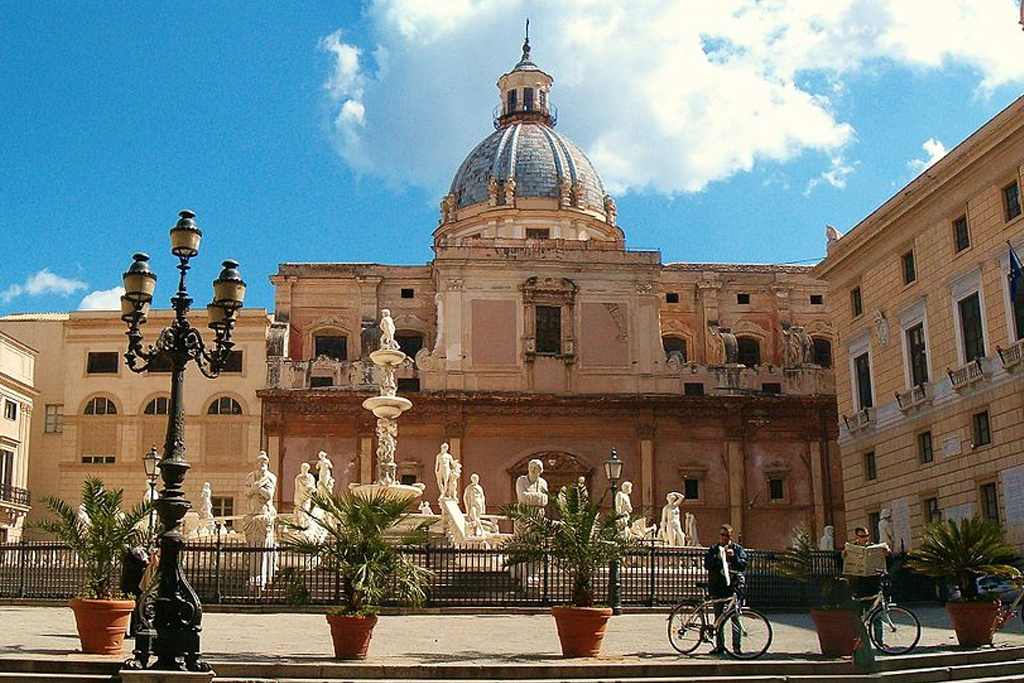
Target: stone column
{"points": [[737, 477], [817, 488], [366, 459]]}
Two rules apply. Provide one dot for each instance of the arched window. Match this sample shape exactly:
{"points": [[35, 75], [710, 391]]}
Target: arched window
{"points": [[749, 351], [823, 352], [334, 346], [101, 405], [225, 405], [674, 345], [158, 406]]}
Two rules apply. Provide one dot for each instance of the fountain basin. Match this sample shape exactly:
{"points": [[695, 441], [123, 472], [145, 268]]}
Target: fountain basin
{"points": [[401, 491], [387, 407], [387, 357]]}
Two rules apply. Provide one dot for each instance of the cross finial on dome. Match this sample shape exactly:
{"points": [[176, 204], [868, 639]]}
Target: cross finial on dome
{"points": [[526, 42]]}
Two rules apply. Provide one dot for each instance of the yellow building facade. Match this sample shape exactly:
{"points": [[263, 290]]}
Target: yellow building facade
{"points": [[17, 367], [95, 417], [929, 377]]}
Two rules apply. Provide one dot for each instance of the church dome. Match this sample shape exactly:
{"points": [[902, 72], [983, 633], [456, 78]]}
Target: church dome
{"points": [[542, 162]]}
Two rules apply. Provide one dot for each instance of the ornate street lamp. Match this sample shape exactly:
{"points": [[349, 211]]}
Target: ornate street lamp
{"points": [[151, 463], [177, 612], [613, 472]]}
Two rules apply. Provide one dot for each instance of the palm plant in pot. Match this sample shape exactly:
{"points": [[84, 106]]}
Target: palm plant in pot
{"points": [[580, 540], [959, 552], [100, 533], [835, 613], [360, 540]]}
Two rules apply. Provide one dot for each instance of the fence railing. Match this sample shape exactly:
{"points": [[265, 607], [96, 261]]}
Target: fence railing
{"points": [[227, 573]]}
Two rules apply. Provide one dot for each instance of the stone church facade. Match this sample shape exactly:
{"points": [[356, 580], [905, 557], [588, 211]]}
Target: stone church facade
{"points": [[536, 333]]}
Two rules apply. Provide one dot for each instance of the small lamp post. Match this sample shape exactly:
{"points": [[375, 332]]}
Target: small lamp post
{"points": [[613, 471], [151, 463], [178, 613]]}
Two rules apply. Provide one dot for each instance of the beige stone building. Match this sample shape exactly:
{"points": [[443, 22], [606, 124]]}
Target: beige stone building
{"points": [[17, 363], [95, 417], [929, 373], [537, 334]]}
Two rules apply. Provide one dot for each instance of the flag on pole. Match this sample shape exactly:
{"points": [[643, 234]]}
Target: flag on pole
{"points": [[1016, 274]]}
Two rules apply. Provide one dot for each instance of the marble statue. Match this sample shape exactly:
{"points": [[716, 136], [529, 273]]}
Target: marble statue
{"points": [[881, 327], [828, 538], [671, 530], [425, 508], [476, 506], [387, 331], [690, 530], [492, 191], [610, 211], [623, 505], [207, 524], [532, 488], [443, 463], [452, 491], [439, 305], [324, 470], [510, 191], [831, 236], [305, 484], [886, 533], [83, 517], [730, 346], [260, 488]]}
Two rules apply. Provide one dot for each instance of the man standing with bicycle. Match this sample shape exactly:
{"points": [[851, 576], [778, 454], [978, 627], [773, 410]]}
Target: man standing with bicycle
{"points": [[725, 564]]}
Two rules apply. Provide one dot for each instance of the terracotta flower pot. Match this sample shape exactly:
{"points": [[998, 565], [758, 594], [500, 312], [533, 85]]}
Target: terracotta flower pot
{"points": [[974, 622], [102, 624], [835, 629], [351, 634], [581, 629]]}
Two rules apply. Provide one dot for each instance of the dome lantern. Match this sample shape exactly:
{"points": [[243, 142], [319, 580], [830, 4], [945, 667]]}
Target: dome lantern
{"points": [[525, 92]]}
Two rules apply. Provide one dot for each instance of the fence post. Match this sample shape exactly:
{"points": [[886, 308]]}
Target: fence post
{"points": [[22, 566], [216, 568], [544, 597]]}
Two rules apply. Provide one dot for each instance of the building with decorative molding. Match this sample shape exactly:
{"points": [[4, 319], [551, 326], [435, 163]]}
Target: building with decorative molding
{"points": [[17, 393], [929, 370], [536, 333]]}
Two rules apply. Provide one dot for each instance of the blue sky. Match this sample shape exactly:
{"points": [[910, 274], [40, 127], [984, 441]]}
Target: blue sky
{"points": [[727, 130]]}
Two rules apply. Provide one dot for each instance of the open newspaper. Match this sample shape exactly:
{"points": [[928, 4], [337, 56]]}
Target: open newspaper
{"points": [[864, 560]]}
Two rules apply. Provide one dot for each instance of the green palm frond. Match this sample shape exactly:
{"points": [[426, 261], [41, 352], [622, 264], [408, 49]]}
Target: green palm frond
{"points": [[959, 551], [360, 545], [103, 541]]}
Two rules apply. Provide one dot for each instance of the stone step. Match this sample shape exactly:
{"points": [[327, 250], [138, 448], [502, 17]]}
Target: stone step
{"points": [[23, 677]]}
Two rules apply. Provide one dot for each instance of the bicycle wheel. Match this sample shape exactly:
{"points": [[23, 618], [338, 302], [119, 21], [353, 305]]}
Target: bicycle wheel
{"points": [[894, 630], [686, 627], [746, 634]]}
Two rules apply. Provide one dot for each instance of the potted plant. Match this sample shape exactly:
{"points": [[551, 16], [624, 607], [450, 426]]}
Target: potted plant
{"points": [[580, 540], [100, 533], [361, 544], [835, 613], [959, 552]]}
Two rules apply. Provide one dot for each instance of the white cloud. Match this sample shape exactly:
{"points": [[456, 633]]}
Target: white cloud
{"points": [[839, 170], [43, 282], [935, 151], [102, 300], [667, 99]]}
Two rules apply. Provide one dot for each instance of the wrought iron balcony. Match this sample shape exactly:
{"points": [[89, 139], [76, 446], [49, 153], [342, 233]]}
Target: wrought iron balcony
{"points": [[859, 420], [15, 494], [966, 375], [916, 397]]}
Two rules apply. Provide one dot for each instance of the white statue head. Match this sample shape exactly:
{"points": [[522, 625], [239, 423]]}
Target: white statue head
{"points": [[206, 487], [829, 530], [385, 312], [321, 455], [262, 461], [304, 468], [627, 487], [534, 468], [474, 478], [444, 448], [885, 513]]}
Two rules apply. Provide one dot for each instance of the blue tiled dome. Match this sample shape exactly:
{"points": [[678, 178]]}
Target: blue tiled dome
{"points": [[536, 156]]}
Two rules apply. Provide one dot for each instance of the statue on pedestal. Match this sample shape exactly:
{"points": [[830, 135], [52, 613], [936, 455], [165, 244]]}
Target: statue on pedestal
{"points": [[532, 488], [886, 533], [828, 538], [325, 477], [671, 530], [476, 506], [387, 331], [305, 484], [260, 487], [207, 525], [690, 530], [443, 463]]}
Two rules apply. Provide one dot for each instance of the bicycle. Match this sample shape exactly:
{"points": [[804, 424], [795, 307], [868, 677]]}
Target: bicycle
{"points": [[893, 629], [1008, 609], [689, 624]]}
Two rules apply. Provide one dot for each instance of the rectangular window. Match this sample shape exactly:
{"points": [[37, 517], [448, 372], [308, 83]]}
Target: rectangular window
{"points": [[909, 272], [932, 512], [159, 363], [320, 382], [1011, 200], [527, 99], [981, 429], [693, 388], [538, 233], [98, 459], [924, 447], [330, 346], [743, 298], [817, 299], [970, 327], [671, 297], [54, 418], [870, 466], [234, 362], [916, 355], [223, 507], [407, 479], [862, 370], [511, 101], [408, 385], [549, 329], [6, 469], [961, 237], [771, 387], [691, 489], [10, 409], [101, 362], [989, 502], [856, 304], [408, 293], [776, 489], [873, 519]]}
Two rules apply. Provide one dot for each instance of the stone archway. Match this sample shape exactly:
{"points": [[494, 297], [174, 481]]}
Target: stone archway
{"points": [[560, 469]]}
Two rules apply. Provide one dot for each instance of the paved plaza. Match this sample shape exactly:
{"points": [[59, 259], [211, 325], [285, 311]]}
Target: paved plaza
{"points": [[484, 639]]}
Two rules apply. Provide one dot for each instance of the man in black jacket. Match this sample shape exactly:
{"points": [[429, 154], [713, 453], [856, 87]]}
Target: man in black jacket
{"points": [[725, 562]]}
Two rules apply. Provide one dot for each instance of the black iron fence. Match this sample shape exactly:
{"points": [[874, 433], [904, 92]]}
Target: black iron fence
{"points": [[229, 573]]}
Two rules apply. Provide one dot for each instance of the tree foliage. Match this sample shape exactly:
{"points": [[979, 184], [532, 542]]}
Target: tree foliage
{"points": [[960, 551], [100, 537]]}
